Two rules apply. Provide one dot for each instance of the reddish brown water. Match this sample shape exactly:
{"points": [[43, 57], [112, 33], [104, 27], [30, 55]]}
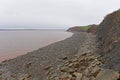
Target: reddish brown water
{"points": [[15, 43]]}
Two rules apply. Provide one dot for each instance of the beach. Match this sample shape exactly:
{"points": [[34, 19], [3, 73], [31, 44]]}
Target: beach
{"points": [[50, 55]]}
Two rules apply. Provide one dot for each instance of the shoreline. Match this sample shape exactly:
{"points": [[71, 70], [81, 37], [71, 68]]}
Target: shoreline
{"points": [[22, 47], [76, 57], [52, 54]]}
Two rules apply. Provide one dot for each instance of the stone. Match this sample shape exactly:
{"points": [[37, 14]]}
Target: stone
{"points": [[29, 75], [64, 58], [98, 62], [56, 78], [28, 65], [85, 78], [64, 78], [70, 76], [47, 67], [86, 72], [71, 71], [64, 69], [66, 64], [78, 75], [53, 75], [1, 72], [71, 64], [96, 71], [13, 75], [47, 73], [88, 51], [77, 65], [108, 74], [74, 60], [0, 78], [22, 78]]}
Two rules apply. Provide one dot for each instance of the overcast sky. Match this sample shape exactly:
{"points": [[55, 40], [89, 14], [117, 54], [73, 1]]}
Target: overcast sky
{"points": [[54, 13]]}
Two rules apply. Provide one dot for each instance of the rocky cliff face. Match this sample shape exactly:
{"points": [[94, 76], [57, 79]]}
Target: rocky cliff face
{"points": [[109, 37]]}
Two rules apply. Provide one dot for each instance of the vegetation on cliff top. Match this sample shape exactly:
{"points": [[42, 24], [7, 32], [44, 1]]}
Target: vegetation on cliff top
{"points": [[79, 28], [85, 28], [89, 28]]}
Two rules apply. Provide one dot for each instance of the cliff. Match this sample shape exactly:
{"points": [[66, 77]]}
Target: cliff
{"points": [[93, 29], [78, 29], [108, 35], [89, 28]]}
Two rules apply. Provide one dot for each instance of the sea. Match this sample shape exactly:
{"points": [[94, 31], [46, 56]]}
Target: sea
{"points": [[14, 43]]}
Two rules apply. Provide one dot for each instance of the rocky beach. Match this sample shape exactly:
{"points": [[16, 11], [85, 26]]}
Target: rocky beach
{"points": [[92, 53], [34, 62]]}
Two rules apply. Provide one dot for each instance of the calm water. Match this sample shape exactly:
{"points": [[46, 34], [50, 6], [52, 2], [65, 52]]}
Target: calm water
{"points": [[14, 43]]}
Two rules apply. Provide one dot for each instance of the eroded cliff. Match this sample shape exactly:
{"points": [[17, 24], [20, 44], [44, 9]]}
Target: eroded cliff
{"points": [[108, 36]]}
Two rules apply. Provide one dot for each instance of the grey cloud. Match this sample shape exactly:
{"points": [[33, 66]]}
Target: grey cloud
{"points": [[56, 13]]}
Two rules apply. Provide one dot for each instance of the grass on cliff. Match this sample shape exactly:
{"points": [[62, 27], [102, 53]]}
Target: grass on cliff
{"points": [[85, 28]]}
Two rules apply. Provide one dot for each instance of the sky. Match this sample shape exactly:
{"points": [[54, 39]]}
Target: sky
{"points": [[54, 13]]}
